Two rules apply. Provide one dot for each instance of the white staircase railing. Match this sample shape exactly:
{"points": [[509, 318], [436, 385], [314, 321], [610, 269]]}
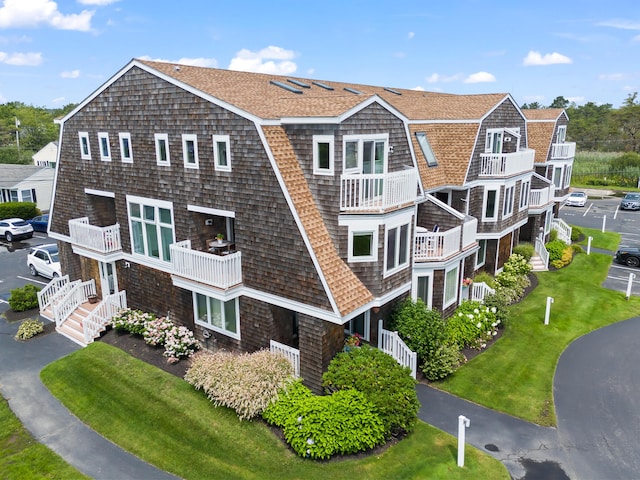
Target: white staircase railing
{"points": [[77, 294], [542, 251], [479, 290], [93, 324], [51, 291], [290, 353], [391, 344], [563, 229]]}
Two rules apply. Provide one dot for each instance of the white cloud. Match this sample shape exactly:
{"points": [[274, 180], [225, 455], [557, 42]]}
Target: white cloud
{"points": [[30, 59], [410, 35], [612, 76], [536, 58], [70, 74], [194, 62], [418, 88], [58, 101], [480, 77], [576, 99], [99, 3], [15, 39], [437, 78], [273, 60], [32, 13], [620, 24], [311, 71]]}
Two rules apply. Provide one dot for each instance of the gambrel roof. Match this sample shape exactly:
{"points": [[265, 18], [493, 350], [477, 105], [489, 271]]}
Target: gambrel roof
{"points": [[541, 125]]}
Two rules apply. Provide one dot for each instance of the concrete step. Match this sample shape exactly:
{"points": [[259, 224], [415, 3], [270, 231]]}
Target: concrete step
{"points": [[72, 334]]}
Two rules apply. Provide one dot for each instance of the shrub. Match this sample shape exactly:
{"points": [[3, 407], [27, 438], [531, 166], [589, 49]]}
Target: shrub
{"points": [[247, 383], [179, 342], [526, 250], [382, 380], [565, 259], [18, 209], [287, 403], [577, 248], [155, 332], [576, 233], [342, 423], [445, 361], [485, 277], [422, 329], [29, 328], [472, 325], [553, 235], [555, 249], [499, 303], [133, 321], [517, 265], [24, 298]]}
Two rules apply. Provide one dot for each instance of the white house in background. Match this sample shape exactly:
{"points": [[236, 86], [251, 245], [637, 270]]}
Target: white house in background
{"points": [[46, 156], [27, 183]]}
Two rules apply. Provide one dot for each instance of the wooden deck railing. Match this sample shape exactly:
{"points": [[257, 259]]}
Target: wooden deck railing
{"points": [[216, 270], [378, 192], [506, 164], [437, 245], [100, 239]]}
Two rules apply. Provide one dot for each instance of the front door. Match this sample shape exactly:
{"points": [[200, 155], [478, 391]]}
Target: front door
{"points": [[108, 278]]}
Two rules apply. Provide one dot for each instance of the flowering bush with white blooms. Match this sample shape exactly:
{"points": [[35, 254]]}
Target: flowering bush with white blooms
{"points": [[156, 331], [134, 321], [472, 325], [179, 342]]}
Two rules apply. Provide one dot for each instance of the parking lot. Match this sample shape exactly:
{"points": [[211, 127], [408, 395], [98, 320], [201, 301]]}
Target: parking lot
{"points": [[597, 213]]}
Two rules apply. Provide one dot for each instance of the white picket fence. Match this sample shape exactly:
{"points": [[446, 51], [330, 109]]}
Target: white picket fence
{"points": [[391, 344], [290, 353], [479, 290]]}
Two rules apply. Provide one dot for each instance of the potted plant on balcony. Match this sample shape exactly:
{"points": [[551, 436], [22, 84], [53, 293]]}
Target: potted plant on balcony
{"points": [[219, 237]]}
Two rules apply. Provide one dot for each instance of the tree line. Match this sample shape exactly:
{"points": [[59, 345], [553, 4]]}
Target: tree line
{"points": [[601, 128]]}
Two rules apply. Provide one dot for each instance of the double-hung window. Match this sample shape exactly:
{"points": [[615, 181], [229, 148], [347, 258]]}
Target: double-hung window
{"points": [[360, 325], [125, 147], [190, 150], [481, 254], [105, 148], [562, 134], [323, 154], [557, 177], [450, 285], [221, 153], [151, 227], [222, 317], [397, 248], [162, 148], [490, 205], [85, 148], [567, 176], [525, 189], [507, 206]]}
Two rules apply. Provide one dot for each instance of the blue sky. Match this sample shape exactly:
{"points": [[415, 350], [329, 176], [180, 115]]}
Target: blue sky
{"points": [[55, 53]]}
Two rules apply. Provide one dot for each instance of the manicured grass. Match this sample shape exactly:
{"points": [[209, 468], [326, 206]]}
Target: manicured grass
{"points": [[163, 420], [515, 375], [23, 458], [606, 240]]}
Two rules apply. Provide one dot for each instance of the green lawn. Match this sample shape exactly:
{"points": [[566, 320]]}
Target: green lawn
{"points": [[515, 375], [23, 458], [163, 420], [607, 240]]}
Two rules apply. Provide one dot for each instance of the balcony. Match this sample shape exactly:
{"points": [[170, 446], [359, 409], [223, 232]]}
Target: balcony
{"points": [[563, 151], [218, 271], [506, 164], [378, 192], [434, 246], [541, 197], [102, 240]]}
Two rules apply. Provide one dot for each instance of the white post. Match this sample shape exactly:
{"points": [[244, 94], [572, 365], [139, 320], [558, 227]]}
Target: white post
{"points": [[548, 311], [630, 284], [463, 422], [604, 222], [589, 245]]}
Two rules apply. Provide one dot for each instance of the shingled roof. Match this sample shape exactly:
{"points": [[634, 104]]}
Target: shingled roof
{"points": [[541, 124], [346, 289]]}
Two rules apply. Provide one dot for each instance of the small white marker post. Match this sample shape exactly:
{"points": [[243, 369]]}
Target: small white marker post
{"points": [[548, 311], [630, 284], [463, 422], [589, 245], [604, 222]]}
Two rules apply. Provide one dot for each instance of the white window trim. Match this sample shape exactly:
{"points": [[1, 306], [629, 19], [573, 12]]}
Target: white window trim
{"points": [[122, 136], [374, 244], [316, 167], [548, 221], [567, 175], [190, 137], [151, 202], [509, 200], [360, 139], [484, 259], [525, 193], [81, 136], [367, 326], [446, 303], [414, 288], [209, 326], [396, 222], [104, 136], [553, 175], [157, 138], [489, 139], [561, 136], [484, 204], [216, 160]]}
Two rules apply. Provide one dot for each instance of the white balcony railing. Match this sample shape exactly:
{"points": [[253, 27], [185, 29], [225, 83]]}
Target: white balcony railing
{"points": [[99, 239], [378, 192], [220, 271], [469, 231], [506, 164], [290, 353], [563, 150], [541, 197], [437, 245]]}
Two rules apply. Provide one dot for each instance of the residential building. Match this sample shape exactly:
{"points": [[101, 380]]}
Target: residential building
{"points": [[26, 183], [335, 201], [46, 156]]}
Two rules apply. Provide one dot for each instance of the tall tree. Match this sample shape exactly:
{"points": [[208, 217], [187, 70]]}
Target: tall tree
{"points": [[590, 126], [627, 120], [532, 106], [559, 102]]}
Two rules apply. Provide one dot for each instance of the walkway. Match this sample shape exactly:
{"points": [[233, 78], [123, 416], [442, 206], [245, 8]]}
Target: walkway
{"points": [[48, 421]]}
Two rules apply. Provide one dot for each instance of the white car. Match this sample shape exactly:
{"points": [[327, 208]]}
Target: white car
{"points": [[576, 199], [43, 260], [14, 229]]}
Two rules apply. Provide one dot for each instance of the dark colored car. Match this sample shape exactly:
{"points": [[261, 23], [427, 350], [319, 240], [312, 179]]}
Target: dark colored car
{"points": [[40, 223], [628, 256], [631, 201]]}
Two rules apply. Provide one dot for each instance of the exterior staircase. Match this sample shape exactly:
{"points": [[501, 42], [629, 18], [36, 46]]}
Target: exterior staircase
{"points": [[537, 264]]}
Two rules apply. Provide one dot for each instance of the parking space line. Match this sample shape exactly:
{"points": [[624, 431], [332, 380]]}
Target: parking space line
{"points": [[587, 210], [616, 214], [3, 301], [28, 279]]}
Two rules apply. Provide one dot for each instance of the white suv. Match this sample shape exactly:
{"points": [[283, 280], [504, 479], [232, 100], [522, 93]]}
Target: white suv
{"points": [[14, 229], [43, 260]]}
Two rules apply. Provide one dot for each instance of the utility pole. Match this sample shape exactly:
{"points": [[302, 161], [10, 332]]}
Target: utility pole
{"points": [[18, 136]]}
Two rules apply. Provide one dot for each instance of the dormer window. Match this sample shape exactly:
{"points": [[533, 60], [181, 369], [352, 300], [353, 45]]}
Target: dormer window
{"points": [[498, 137], [366, 154], [562, 134]]}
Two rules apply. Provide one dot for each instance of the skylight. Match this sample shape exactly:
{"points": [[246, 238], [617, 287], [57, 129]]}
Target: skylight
{"points": [[392, 90], [322, 85], [298, 83], [285, 86], [353, 90], [426, 149]]}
